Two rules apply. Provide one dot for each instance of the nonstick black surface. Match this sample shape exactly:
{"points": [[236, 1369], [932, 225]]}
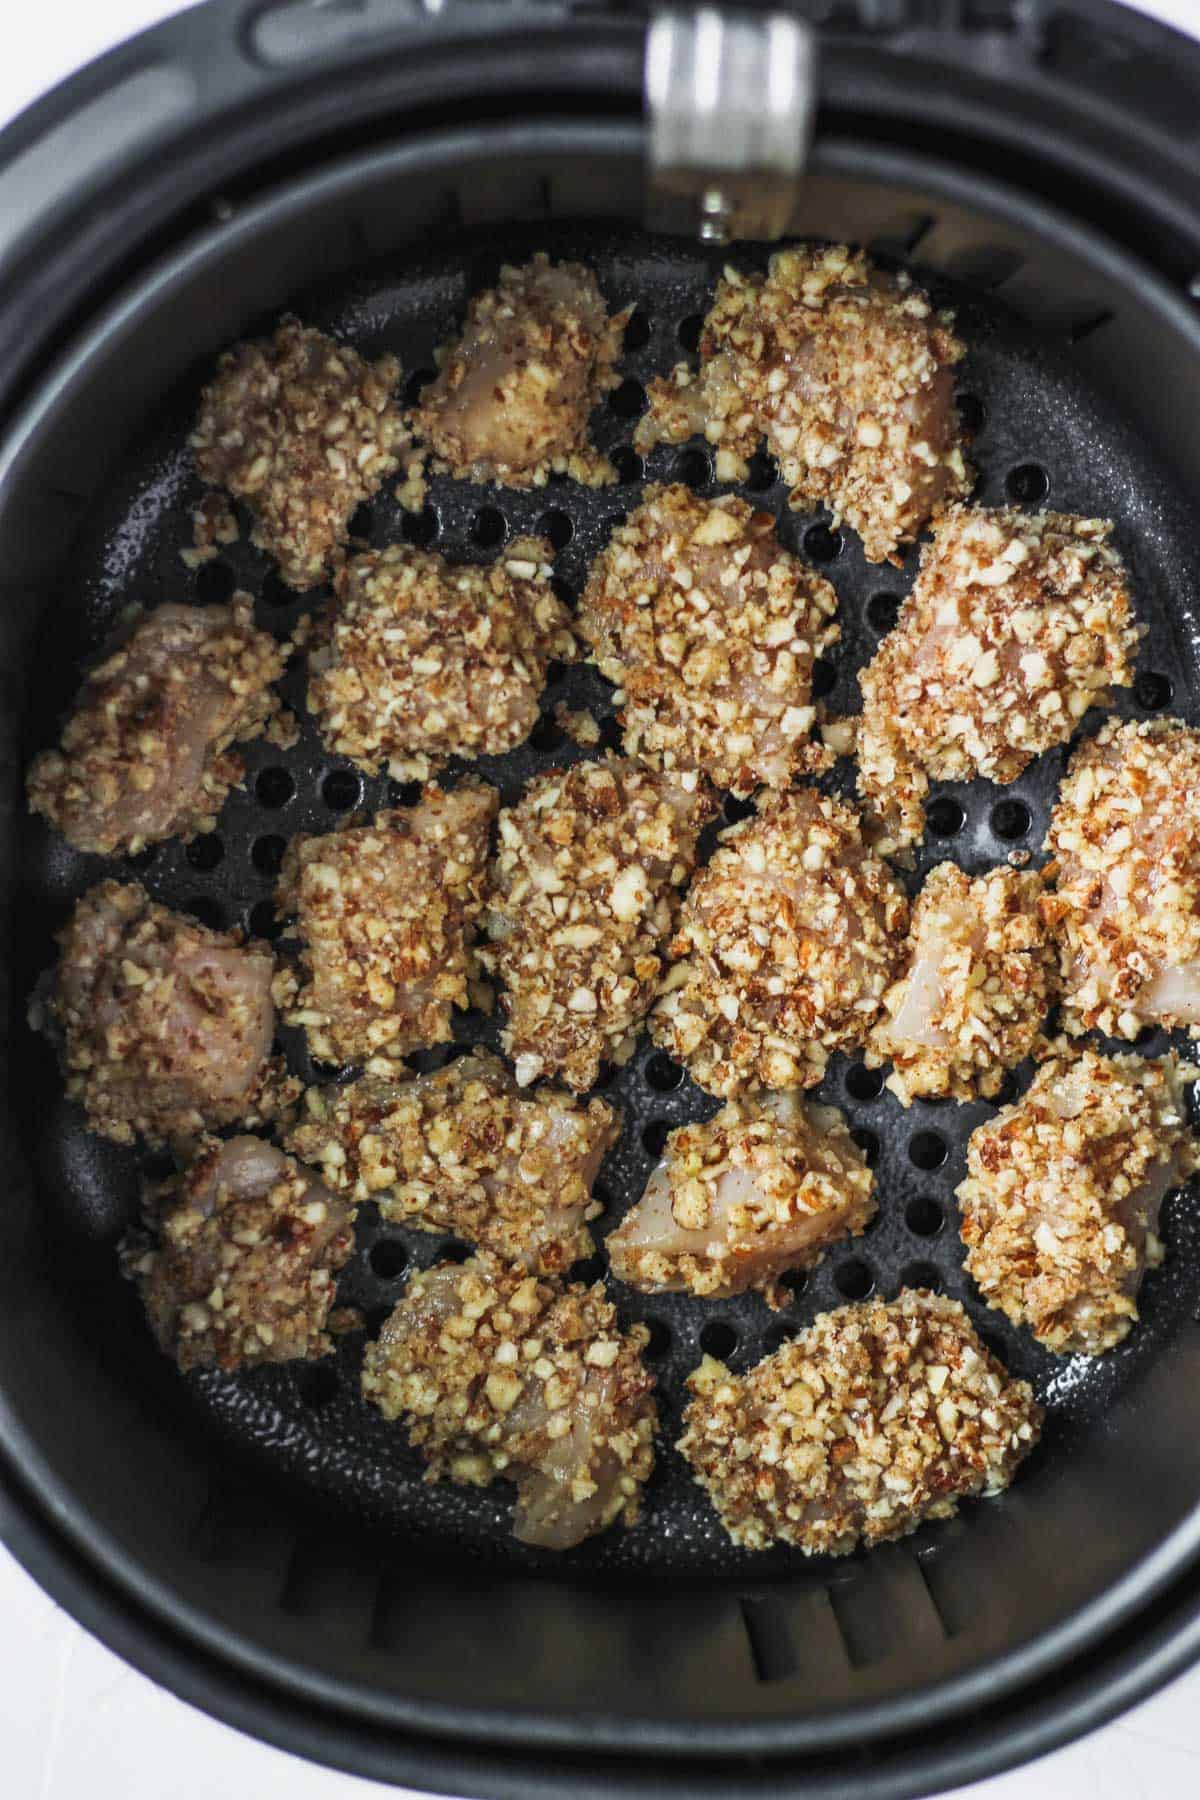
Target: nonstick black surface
{"points": [[1042, 436]]}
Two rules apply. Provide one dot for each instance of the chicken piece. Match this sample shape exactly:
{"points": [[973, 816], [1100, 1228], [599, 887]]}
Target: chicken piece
{"points": [[384, 913], [711, 628], [303, 431], [848, 374], [163, 1027], [240, 1262], [787, 942], [1060, 1206], [978, 981], [464, 1150], [512, 398], [424, 660], [583, 899], [145, 755], [764, 1187], [880, 1416], [498, 1373], [1018, 623], [1125, 842]]}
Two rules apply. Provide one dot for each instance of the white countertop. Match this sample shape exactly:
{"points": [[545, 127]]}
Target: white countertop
{"points": [[73, 1718]]}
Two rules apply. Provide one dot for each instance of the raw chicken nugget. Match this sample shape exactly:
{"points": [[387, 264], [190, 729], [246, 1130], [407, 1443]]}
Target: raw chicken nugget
{"points": [[848, 374], [1125, 842], [145, 755], [164, 1027], [512, 397], [302, 430], [710, 628], [424, 660], [242, 1259], [464, 1150], [764, 1187], [499, 1374], [584, 897], [787, 942], [878, 1417], [1018, 623], [977, 983], [384, 914], [1060, 1207]]}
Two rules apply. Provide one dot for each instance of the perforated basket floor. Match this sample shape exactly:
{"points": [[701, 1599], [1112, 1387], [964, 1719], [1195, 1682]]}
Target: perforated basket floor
{"points": [[1041, 435]]}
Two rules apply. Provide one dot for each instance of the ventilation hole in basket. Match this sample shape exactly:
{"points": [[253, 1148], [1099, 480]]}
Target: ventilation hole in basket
{"points": [[763, 474], [924, 1217], [663, 1074], [606, 1074], [546, 735], [868, 1143], [689, 332], [945, 816], [205, 852], [215, 581], [660, 1337], [1011, 819], [563, 591], [275, 590], [208, 911], [145, 859], [556, 526], [972, 412], [274, 787], [388, 1258], [863, 1083], [776, 1336], [637, 331], [262, 921], [822, 544], [824, 675], [341, 789], [921, 1275], [404, 793], [454, 1250], [319, 1385], [629, 400], [1145, 1037], [927, 1150], [853, 1279], [266, 853], [1008, 1090], [629, 466], [718, 1338], [420, 378], [769, 1636], [489, 527], [693, 468], [420, 528], [795, 1281], [610, 733], [1027, 484], [882, 611], [736, 809], [588, 1269], [1153, 691], [654, 1137], [361, 521]]}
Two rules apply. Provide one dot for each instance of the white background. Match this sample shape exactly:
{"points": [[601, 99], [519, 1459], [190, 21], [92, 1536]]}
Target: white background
{"points": [[73, 1719]]}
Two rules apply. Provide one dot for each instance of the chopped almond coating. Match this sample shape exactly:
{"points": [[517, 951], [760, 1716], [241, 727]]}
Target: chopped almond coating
{"points": [[1125, 839], [425, 660], [880, 1416], [847, 373], [764, 1187], [145, 755], [164, 1027], [1060, 1208], [1018, 623], [786, 944], [464, 1150], [711, 628], [498, 1373], [583, 901], [244, 1253], [977, 983], [384, 912], [304, 431], [513, 394]]}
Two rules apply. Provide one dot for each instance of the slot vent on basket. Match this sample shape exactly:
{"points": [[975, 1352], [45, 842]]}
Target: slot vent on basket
{"points": [[950, 1607], [772, 1647], [862, 1620], [1087, 326]]}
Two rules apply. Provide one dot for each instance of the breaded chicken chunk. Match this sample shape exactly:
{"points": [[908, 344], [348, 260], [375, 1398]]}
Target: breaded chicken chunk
{"points": [[710, 629], [465, 1150], [512, 397], [977, 982], [878, 1417], [385, 913], [584, 897], [164, 1028], [847, 373], [422, 660], [499, 1374], [240, 1259], [1125, 843], [787, 941], [764, 1187], [1060, 1207], [302, 430], [1018, 623], [146, 753]]}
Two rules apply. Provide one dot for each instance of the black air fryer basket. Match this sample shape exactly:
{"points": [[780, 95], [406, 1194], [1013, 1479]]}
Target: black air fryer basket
{"points": [[263, 1542]]}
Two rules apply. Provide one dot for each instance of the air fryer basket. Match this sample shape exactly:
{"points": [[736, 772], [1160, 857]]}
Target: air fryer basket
{"points": [[263, 1541]]}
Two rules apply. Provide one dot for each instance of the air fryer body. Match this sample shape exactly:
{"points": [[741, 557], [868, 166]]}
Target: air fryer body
{"points": [[234, 1539]]}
